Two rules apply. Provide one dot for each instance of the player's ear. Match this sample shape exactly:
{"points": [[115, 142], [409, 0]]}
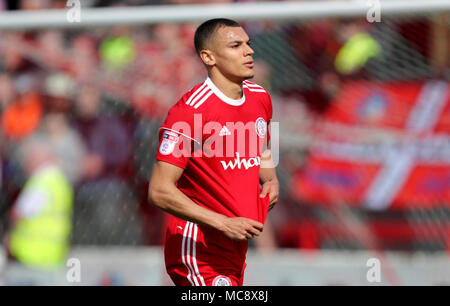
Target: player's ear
{"points": [[207, 57]]}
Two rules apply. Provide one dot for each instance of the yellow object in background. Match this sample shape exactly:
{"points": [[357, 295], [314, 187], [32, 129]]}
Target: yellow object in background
{"points": [[117, 52], [42, 241], [355, 53]]}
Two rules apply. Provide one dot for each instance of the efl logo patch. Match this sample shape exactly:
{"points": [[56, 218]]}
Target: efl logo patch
{"points": [[221, 280], [170, 139], [261, 127]]}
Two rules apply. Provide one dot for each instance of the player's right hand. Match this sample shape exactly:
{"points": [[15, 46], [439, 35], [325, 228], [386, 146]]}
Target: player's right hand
{"points": [[240, 228]]}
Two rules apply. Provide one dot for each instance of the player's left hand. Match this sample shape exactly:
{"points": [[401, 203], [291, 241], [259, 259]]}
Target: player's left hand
{"points": [[272, 188]]}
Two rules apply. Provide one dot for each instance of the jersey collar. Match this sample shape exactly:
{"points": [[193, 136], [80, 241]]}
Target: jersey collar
{"points": [[222, 96]]}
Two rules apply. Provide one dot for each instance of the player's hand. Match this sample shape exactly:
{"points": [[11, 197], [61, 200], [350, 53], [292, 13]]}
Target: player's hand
{"points": [[240, 228], [273, 189]]}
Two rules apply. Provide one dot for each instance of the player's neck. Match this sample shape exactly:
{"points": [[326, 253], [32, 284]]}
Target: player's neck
{"points": [[229, 88]]}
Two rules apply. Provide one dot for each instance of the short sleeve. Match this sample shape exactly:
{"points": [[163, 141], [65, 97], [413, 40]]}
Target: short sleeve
{"points": [[177, 137]]}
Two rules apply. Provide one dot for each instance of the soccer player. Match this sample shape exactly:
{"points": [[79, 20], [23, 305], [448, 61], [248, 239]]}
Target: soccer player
{"points": [[211, 161]]}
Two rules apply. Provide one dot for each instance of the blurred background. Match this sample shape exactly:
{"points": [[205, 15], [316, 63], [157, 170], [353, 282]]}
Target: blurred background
{"points": [[364, 155]]}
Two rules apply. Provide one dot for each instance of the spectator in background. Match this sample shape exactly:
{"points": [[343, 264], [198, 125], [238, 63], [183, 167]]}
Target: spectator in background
{"points": [[111, 139], [60, 89], [22, 117], [65, 144], [314, 44], [106, 203], [40, 221], [84, 59], [87, 110], [58, 4], [64, 141], [106, 136], [165, 65], [32, 5], [11, 59], [51, 51], [7, 93], [17, 54], [109, 201]]}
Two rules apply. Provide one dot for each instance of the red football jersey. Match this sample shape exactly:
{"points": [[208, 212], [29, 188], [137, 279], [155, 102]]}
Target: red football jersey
{"points": [[218, 142]]}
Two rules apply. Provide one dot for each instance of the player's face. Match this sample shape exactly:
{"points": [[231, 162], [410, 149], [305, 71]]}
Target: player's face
{"points": [[232, 54]]}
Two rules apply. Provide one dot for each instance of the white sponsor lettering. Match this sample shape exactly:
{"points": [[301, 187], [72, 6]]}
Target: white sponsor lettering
{"points": [[238, 162]]}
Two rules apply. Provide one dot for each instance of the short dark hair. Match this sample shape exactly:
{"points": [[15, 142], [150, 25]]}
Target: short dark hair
{"points": [[207, 29]]}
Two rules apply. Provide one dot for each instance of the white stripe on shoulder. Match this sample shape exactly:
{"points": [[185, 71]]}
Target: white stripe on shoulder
{"points": [[195, 93], [203, 100], [250, 84], [197, 97], [254, 89]]}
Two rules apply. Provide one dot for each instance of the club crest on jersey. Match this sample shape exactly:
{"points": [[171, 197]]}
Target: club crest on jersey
{"points": [[221, 280], [261, 127], [170, 139]]}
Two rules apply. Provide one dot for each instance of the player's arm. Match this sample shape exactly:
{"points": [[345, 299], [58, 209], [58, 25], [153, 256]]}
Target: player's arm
{"points": [[164, 194], [268, 178]]}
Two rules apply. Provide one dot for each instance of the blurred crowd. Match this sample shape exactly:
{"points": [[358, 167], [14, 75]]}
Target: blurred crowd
{"points": [[95, 98]]}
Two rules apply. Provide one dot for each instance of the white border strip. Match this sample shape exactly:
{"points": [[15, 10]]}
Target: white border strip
{"points": [[191, 237], [183, 247], [199, 12], [194, 256]]}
